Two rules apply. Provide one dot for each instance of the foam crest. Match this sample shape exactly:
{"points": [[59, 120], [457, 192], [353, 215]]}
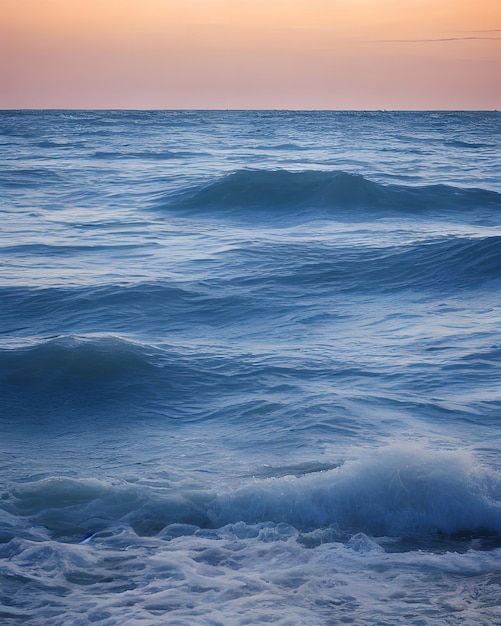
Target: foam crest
{"points": [[78, 508], [394, 491], [399, 491]]}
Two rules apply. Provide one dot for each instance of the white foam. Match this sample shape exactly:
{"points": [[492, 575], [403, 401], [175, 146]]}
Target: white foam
{"points": [[399, 490], [248, 574]]}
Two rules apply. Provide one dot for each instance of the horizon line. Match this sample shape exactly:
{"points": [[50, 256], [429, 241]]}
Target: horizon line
{"points": [[250, 110]]}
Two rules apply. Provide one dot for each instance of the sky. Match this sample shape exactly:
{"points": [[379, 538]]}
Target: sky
{"points": [[250, 54]]}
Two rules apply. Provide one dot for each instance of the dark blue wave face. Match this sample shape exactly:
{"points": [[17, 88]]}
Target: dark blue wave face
{"points": [[338, 194], [108, 380]]}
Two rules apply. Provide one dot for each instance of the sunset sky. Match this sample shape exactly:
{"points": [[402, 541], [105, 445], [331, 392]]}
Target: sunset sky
{"points": [[250, 54]]}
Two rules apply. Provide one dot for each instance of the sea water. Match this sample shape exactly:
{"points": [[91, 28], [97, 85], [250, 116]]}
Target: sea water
{"points": [[250, 368]]}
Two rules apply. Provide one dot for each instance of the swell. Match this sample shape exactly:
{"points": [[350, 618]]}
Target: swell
{"points": [[161, 155], [149, 307], [282, 190], [72, 358], [242, 275], [46, 250], [102, 376], [451, 263], [32, 178]]}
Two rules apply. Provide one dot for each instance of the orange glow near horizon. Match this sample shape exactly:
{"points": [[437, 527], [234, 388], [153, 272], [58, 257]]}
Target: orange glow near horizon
{"points": [[327, 54]]}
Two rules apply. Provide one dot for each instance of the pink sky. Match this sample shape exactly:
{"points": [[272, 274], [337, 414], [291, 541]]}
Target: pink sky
{"points": [[291, 54]]}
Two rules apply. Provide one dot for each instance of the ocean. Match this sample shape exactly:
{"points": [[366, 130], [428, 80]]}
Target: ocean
{"points": [[250, 368]]}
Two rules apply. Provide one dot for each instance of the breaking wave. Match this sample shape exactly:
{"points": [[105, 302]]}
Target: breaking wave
{"points": [[394, 491], [399, 491]]}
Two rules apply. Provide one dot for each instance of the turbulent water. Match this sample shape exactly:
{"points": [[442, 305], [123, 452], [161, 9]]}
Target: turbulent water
{"points": [[250, 368]]}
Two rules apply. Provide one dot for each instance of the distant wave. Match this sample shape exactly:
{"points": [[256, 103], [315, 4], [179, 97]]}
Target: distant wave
{"points": [[40, 249], [159, 155], [441, 262], [271, 190], [448, 262], [35, 177], [457, 143]]}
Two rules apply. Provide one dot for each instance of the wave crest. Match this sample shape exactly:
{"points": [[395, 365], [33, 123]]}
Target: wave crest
{"points": [[281, 189], [71, 358], [396, 491]]}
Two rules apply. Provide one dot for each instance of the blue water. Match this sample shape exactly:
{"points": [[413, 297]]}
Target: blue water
{"points": [[250, 368]]}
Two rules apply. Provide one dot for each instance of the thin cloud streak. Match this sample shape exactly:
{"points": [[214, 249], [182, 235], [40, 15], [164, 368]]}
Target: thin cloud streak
{"points": [[440, 39]]}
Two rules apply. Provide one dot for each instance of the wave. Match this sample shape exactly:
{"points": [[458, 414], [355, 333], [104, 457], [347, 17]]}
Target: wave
{"points": [[141, 307], [442, 262], [109, 379], [87, 375], [457, 143], [160, 155], [282, 269], [449, 262], [70, 359], [398, 491], [42, 249], [70, 507], [278, 190], [35, 177]]}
